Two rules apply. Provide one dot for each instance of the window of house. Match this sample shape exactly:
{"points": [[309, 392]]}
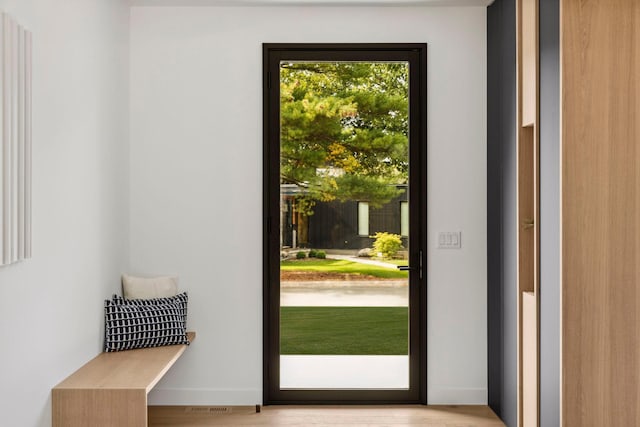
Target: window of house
{"points": [[363, 218], [404, 218]]}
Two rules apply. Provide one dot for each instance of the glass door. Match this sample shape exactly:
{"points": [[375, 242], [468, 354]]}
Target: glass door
{"points": [[344, 302]]}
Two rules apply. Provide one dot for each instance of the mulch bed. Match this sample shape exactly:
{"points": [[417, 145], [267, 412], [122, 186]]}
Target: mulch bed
{"points": [[317, 276]]}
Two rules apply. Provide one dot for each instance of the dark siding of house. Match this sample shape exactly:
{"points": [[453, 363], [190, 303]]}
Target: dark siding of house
{"points": [[501, 208], [334, 225]]}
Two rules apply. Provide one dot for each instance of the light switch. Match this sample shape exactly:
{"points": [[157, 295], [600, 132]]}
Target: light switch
{"points": [[449, 240], [455, 240]]}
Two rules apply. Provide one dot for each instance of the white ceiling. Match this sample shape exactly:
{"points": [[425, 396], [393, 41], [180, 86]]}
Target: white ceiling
{"points": [[311, 2]]}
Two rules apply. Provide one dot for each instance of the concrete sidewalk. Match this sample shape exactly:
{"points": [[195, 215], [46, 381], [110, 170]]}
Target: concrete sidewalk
{"points": [[344, 372], [390, 293]]}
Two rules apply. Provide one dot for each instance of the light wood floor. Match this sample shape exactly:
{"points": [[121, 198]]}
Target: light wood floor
{"points": [[317, 416]]}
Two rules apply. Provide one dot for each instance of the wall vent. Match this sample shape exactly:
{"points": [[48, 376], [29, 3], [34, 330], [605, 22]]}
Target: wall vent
{"points": [[209, 410]]}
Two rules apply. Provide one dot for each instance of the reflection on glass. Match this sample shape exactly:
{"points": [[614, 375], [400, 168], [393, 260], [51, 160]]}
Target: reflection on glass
{"points": [[344, 167]]}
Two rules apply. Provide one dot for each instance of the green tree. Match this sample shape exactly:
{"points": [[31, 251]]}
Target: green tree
{"points": [[344, 131]]}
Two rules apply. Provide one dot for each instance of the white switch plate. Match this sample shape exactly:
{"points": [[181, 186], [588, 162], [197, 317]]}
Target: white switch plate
{"points": [[449, 240]]}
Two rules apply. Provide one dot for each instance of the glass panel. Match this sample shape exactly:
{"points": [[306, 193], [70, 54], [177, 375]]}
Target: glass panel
{"points": [[344, 167]]}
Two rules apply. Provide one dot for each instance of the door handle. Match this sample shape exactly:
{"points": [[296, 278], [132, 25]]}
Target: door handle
{"points": [[407, 268], [527, 224]]}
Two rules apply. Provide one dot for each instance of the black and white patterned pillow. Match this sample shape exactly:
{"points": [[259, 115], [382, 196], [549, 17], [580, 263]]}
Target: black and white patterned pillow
{"points": [[129, 326], [181, 300]]}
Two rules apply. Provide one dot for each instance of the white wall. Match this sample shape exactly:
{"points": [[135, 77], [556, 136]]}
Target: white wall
{"points": [[196, 180], [51, 305]]}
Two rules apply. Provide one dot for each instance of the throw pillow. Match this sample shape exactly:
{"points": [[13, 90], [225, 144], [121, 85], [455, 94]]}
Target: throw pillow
{"points": [[181, 300], [135, 287], [130, 326]]}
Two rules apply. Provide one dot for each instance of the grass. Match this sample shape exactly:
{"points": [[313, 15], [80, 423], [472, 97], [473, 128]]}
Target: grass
{"points": [[341, 266], [393, 261], [344, 330]]}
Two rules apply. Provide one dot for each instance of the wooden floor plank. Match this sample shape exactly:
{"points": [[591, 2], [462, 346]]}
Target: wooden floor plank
{"points": [[361, 416]]}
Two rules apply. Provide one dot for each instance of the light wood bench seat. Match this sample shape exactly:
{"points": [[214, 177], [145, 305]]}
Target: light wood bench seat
{"points": [[111, 389]]}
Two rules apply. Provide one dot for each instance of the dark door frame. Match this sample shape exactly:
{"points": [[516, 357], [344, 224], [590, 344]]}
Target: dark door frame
{"points": [[416, 55]]}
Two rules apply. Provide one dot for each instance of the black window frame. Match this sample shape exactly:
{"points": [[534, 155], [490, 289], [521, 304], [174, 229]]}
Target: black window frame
{"points": [[416, 55]]}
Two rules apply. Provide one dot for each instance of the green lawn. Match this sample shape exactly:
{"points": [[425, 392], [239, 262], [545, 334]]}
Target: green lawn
{"points": [[341, 266], [393, 261], [344, 330]]}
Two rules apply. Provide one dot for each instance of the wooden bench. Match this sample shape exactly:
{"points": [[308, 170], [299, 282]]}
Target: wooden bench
{"points": [[111, 390]]}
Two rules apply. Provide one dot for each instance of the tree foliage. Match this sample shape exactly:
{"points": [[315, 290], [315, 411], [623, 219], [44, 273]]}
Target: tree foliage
{"points": [[344, 130]]}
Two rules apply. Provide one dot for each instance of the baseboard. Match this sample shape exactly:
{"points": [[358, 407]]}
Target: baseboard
{"points": [[456, 396], [204, 396]]}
